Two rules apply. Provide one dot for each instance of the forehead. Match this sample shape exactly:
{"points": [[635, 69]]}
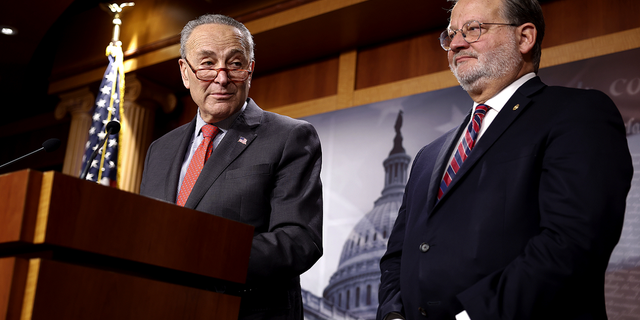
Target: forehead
{"points": [[480, 10], [215, 39]]}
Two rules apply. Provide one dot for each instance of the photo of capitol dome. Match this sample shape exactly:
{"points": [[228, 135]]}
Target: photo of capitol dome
{"points": [[352, 292]]}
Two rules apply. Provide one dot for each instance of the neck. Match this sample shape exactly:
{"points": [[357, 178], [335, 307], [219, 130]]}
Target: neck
{"points": [[493, 87]]}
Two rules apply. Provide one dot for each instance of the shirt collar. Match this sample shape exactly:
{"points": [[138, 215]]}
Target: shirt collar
{"points": [[499, 100], [223, 125]]}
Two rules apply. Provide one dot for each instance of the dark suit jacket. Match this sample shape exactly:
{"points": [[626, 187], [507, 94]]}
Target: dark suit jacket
{"points": [[271, 182], [527, 225]]}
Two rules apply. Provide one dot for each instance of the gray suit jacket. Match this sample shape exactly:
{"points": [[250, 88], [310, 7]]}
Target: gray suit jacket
{"points": [[265, 172]]}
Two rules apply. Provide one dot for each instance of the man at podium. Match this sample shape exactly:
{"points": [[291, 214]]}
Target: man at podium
{"points": [[236, 161]]}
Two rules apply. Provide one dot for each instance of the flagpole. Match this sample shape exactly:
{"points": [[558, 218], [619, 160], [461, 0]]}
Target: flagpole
{"points": [[109, 105], [115, 49]]}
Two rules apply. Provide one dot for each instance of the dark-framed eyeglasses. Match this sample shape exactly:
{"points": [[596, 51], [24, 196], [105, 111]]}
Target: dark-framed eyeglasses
{"points": [[470, 31], [235, 75]]}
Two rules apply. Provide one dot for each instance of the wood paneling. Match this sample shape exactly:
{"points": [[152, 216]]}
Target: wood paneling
{"points": [[589, 48], [308, 82], [422, 55], [592, 47], [574, 20], [400, 60], [13, 277], [45, 289], [18, 214], [131, 227]]}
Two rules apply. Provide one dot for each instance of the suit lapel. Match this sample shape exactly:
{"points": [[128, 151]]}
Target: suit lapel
{"points": [[236, 140], [509, 113], [173, 176], [442, 161]]}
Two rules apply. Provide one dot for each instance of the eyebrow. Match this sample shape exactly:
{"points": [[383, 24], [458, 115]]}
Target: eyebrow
{"points": [[232, 52]]}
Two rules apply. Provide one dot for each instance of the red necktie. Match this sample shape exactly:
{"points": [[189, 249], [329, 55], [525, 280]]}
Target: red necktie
{"points": [[464, 148], [201, 155]]}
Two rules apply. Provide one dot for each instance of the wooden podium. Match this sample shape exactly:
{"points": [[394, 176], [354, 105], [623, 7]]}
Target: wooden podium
{"points": [[72, 249]]}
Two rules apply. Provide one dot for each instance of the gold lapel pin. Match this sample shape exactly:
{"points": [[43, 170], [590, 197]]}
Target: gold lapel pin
{"points": [[516, 107]]}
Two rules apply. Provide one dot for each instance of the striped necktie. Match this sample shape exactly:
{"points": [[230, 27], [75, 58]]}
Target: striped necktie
{"points": [[201, 155], [464, 148]]}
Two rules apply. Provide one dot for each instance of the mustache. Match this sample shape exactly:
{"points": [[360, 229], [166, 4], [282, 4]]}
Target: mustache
{"points": [[464, 53]]}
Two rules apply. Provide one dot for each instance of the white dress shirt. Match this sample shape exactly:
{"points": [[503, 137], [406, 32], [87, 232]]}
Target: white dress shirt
{"points": [[495, 103]]}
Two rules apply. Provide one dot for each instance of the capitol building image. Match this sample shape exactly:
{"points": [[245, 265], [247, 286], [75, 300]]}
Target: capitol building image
{"points": [[352, 292]]}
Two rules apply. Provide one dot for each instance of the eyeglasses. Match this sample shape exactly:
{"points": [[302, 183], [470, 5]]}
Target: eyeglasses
{"points": [[471, 32], [235, 75]]}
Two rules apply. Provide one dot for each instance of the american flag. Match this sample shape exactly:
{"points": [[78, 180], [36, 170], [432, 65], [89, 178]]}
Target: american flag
{"points": [[108, 107]]}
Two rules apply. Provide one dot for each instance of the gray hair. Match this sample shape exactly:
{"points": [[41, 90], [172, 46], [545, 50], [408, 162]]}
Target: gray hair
{"points": [[520, 12], [247, 38]]}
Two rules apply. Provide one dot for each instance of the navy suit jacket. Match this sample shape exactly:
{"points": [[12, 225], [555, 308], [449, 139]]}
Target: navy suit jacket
{"points": [[265, 172], [526, 228]]}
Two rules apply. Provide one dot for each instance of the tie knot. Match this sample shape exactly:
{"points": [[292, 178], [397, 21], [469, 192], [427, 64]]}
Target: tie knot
{"points": [[208, 130], [482, 108]]}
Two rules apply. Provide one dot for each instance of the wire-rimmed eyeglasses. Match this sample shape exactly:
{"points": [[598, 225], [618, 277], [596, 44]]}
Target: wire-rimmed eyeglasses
{"points": [[470, 31], [235, 75]]}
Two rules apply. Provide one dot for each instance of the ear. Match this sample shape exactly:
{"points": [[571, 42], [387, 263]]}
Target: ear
{"points": [[184, 72], [252, 66], [527, 37]]}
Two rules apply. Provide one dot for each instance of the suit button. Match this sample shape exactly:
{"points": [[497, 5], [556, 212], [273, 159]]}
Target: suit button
{"points": [[422, 312], [424, 247]]}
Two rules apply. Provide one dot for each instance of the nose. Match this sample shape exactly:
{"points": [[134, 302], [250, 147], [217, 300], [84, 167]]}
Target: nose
{"points": [[222, 78], [458, 42]]}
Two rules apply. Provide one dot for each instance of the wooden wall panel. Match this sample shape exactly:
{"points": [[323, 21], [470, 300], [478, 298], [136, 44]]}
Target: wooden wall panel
{"points": [[57, 290], [400, 60], [312, 81], [566, 21], [574, 20]]}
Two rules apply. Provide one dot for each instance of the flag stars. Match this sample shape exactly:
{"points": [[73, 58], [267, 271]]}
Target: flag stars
{"points": [[101, 103], [105, 90], [111, 77], [112, 143]]}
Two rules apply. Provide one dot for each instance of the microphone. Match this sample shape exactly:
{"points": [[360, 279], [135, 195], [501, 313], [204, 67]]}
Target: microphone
{"points": [[48, 146], [113, 127]]}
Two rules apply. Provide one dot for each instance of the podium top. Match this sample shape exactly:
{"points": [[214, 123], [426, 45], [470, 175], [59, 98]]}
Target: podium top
{"points": [[65, 212]]}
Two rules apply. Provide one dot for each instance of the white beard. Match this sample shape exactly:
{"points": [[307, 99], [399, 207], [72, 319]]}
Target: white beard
{"points": [[490, 66]]}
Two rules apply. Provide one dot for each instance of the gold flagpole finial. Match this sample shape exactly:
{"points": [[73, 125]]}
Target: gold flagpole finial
{"points": [[116, 9]]}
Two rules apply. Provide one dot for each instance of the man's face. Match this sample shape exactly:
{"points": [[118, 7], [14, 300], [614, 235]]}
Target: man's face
{"points": [[494, 57], [216, 46]]}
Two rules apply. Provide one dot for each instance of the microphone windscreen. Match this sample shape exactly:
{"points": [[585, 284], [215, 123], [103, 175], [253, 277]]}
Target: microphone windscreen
{"points": [[113, 127], [51, 144]]}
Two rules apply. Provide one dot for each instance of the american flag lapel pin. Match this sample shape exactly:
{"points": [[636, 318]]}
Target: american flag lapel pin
{"points": [[243, 140]]}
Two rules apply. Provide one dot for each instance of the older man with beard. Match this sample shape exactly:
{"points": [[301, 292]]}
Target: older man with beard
{"points": [[514, 214]]}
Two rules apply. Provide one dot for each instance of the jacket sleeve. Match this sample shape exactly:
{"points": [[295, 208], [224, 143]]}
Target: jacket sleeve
{"points": [[293, 241], [390, 301], [389, 292]]}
